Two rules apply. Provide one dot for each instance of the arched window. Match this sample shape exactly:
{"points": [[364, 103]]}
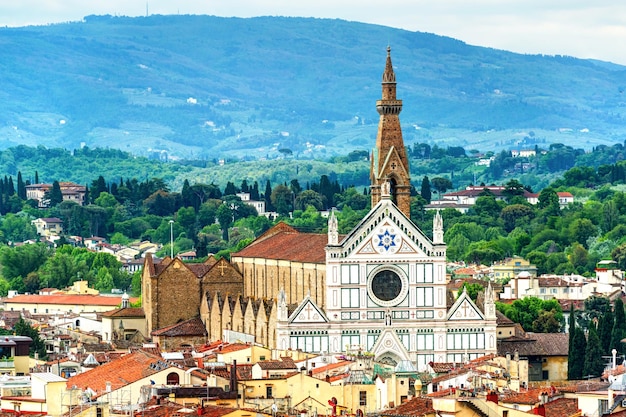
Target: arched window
{"points": [[173, 378], [393, 190]]}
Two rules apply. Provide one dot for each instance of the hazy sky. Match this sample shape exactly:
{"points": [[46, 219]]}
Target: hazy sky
{"points": [[580, 28]]}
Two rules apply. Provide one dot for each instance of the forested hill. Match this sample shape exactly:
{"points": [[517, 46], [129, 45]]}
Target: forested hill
{"points": [[208, 87]]}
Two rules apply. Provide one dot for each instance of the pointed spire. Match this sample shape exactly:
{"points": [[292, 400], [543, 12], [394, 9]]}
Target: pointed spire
{"points": [[282, 314], [388, 75], [490, 305], [389, 160], [333, 229], [438, 229]]}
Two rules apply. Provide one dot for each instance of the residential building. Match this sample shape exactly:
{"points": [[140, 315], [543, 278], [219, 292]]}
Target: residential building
{"points": [[70, 191], [48, 226], [511, 268]]}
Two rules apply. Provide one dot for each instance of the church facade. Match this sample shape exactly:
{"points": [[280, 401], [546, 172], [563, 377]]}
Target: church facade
{"points": [[381, 290], [385, 282]]}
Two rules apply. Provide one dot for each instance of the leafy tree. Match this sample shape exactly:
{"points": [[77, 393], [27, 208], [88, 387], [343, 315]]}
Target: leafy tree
{"points": [[472, 289], [534, 314], [20, 261], [441, 185], [516, 214], [17, 228], [549, 201], [282, 199], [353, 198], [581, 230], [309, 198], [22, 328], [225, 218]]}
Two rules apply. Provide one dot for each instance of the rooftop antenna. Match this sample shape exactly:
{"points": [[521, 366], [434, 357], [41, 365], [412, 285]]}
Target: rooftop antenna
{"points": [[147, 13]]}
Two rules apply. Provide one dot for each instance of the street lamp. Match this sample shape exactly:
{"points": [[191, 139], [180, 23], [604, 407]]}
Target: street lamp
{"points": [[172, 239]]}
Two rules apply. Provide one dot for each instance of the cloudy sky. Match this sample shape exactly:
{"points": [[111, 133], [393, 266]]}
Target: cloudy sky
{"points": [[580, 28]]}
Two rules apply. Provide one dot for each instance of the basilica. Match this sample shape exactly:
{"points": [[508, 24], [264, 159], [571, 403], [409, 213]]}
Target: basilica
{"points": [[381, 289]]}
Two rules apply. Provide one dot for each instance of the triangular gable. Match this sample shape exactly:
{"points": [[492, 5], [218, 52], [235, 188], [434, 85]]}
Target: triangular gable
{"points": [[393, 156], [369, 237], [308, 312], [389, 343], [464, 309], [387, 238]]}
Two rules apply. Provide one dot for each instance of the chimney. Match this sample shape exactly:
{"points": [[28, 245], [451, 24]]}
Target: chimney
{"points": [[233, 377]]}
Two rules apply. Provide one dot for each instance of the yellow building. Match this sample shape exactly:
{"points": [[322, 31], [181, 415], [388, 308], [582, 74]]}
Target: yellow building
{"points": [[42, 394], [14, 355], [512, 267]]}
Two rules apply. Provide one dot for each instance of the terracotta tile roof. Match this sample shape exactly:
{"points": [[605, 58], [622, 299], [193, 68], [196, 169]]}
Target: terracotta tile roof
{"points": [[244, 372], [330, 367], [125, 312], [191, 327], [556, 282], [65, 299], [232, 347], [441, 393], [414, 407], [441, 367], [283, 364], [529, 397], [172, 409], [127, 369], [338, 377], [562, 407], [536, 344], [502, 320], [286, 243]]}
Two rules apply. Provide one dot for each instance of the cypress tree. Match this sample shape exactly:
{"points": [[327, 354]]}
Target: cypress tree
{"points": [[571, 329], [55, 196], [268, 197], [21, 187], [619, 327], [605, 327], [254, 191], [577, 354], [11, 187], [593, 354], [36, 177], [426, 192]]}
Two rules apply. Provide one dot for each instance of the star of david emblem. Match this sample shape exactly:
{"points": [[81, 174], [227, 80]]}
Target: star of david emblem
{"points": [[386, 240]]}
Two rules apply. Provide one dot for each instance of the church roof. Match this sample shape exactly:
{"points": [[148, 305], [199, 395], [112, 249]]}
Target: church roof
{"points": [[125, 312], [536, 344], [286, 243], [192, 327]]}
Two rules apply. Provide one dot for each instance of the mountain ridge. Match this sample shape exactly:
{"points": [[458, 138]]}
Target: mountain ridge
{"points": [[205, 87]]}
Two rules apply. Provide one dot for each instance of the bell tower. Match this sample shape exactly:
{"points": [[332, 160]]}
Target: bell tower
{"points": [[389, 162]]}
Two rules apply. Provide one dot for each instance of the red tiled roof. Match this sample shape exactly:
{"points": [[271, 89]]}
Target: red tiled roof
{"points": [[286, 243], [562, 407], [125, 312], [191, 327], [121, 372], [532, 344], [68, 299], [283, 364], [414, 407], [330, 367]]}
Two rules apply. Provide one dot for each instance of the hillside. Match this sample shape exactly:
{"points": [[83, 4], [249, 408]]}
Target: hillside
{"points": [[204, 87]]}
